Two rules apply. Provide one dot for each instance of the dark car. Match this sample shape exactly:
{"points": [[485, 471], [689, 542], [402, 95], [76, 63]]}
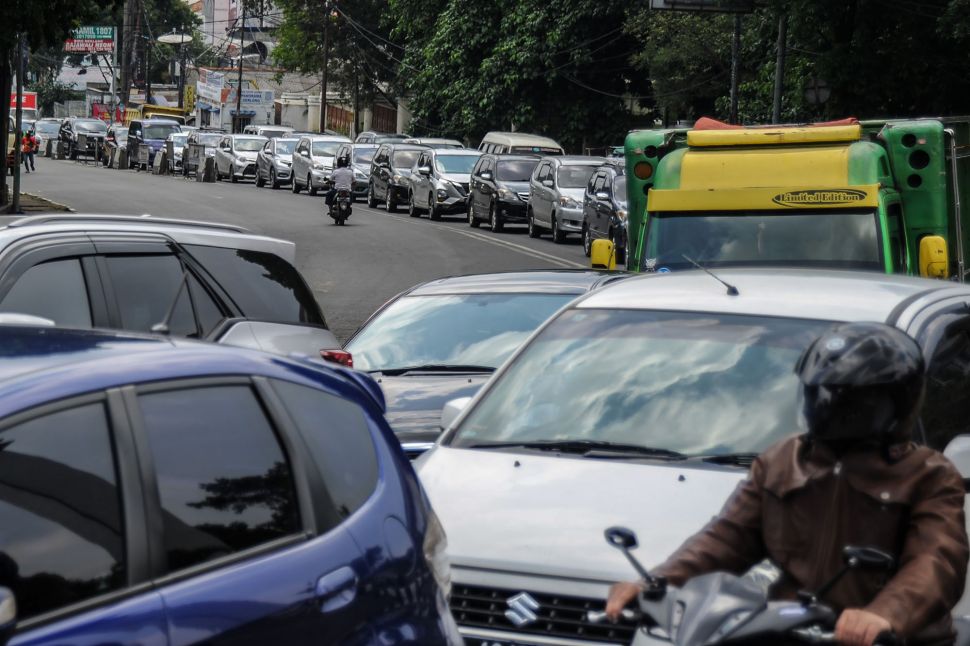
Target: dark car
{"points": [[115, 140], [443, 339], [199, 145], [389, 174], [372, 137], [605, 209], [150, 133], [158, 492], [274, 163], [360, 157], [499, 191], [94, 131]]}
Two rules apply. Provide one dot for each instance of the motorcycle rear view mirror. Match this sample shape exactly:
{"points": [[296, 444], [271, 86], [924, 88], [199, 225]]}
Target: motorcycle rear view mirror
{"points": [[625, 540], [868, 558], [621, 538]]}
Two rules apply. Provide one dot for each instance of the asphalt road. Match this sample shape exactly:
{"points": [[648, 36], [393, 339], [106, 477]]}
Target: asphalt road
{"points": [[352, 269]]}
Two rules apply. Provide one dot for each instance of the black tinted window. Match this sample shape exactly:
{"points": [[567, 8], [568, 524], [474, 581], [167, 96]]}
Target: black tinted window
{"points": [[516, 171], [339, 440], [60, 510], [223, 480], [263, 286], [946, 412], [54, 290]]}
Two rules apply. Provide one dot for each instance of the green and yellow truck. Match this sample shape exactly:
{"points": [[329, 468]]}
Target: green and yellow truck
{"points": [[881, 196]]}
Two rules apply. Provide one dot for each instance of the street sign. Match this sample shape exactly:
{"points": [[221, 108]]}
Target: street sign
{"points": [[91, 40], [721, 6]]}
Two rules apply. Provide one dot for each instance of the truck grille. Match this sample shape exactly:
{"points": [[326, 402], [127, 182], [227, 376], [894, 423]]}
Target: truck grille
{"points": [[558, 616]]}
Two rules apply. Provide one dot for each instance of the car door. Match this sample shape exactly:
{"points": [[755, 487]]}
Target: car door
{"points": [[541, 207], [300, 165], [589, 205], [421, 184], [601, 207], [73, 549], [380, 173], [250, 544], [484, 194]]}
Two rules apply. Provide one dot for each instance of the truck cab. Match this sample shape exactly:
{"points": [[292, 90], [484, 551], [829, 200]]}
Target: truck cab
{"points": [[874, 196]]}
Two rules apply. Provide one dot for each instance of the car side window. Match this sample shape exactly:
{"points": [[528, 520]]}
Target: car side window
{"points": [[224, 483], [54, 290], [340, 443], [897, 237], [946, 412], [599, 184], [60, 509]]}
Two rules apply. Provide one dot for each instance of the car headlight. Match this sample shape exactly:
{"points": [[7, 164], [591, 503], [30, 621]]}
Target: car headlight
{"points": [[359, 174], [397, 179], [434, 548], [568, 202], [318, 166], [506, 194], [621, 213]]}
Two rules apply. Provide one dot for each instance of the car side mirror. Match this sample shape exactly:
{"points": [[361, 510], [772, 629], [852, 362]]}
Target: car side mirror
{"points": [[451, 411], [486, 175], [602, 196], [934, 259], [548, 183], [425, 170], [868, 558], [8, 615], [958, 452], [602, 255]]}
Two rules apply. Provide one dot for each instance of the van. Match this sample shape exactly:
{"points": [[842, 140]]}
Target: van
{"points": [[268, 131], [505, 143]]}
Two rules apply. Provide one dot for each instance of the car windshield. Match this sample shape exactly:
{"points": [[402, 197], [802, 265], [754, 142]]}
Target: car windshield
{"points": [[519, 170], [90, 126], [249, 145], [459, 164], [650, 379], [273, 134], [404, 158], [160, 130], [211, 139], [832, 239], [285, 146], [121, 133], [325, 148], [180, 138], [47, 127], [455, 329], [619, 189], [364, 155], [574, 176]]}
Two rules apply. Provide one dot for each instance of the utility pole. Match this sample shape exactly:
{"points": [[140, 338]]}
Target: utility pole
{"points": [[15, 206], [780, 67], [735, 64], [326, 65], [242, 33], [127, 43]]}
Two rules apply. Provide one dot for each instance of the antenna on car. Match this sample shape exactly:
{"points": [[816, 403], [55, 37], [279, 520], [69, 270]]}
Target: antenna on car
{"points": [[731, 289], [163, 327]]}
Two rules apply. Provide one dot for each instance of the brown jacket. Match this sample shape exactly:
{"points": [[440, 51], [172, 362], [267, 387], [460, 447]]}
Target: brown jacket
{"points": [[801, 504]]}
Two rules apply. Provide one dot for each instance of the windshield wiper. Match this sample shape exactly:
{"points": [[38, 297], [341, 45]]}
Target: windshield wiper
{"points": [[589, 448], [733, 459], [435, 367]]}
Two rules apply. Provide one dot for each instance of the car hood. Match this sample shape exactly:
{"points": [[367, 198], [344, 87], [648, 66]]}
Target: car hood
{"points": [[461, 178], [245, 154], [414, 401], [545, 515], [326, 161], [286, 158], [515, 187], [576, 193]]}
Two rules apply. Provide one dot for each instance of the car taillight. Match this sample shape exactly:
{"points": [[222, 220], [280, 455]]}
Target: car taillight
{"points": [[342, 357]]}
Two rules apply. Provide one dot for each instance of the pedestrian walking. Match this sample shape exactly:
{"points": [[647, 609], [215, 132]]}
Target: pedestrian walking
{"points": [[28, 147]]}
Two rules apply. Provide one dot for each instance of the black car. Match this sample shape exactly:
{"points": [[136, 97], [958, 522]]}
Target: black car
{"points": [[605, 209], [442, 340], [389, 173], [94, 131], [499, 190], [360, 157]]}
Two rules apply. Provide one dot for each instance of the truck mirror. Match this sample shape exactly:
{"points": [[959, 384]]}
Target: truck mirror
{"points": [[602, 255], [934, 260]]}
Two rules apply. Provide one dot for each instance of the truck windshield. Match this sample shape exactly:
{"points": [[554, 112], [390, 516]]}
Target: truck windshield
{"points": [[651, 379], [823, 238], [160, 131]]}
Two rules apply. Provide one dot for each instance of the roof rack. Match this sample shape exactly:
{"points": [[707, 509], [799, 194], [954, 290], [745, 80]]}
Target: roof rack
{"points": [[127, 219]]}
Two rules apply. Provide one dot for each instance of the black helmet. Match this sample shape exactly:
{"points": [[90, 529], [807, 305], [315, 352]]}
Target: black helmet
{"points": [[861, 382], [342, 161]]}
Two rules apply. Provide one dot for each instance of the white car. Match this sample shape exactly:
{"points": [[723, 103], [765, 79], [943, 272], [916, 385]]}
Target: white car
{"points": [[313, 162], [642, 404], [236, 157]]}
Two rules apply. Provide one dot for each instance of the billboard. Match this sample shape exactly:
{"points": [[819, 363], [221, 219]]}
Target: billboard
{"points": [[29, 102], [91, 40], [723, 6], [210, 86]]}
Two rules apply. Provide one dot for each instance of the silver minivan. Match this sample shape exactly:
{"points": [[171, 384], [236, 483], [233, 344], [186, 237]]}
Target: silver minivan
{"points": [[519, 143], [556, 195], [439, 182], [313, 162]]}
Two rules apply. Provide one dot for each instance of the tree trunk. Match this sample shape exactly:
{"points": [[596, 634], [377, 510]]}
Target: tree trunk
{"points": [[5, 83]]}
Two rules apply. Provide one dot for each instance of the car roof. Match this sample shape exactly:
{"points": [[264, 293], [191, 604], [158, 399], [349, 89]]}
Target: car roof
{"points": [[404, 146], [464, 152], [790, 293], [242, 136], [520, 139], [43, 364], [575, 160], [564, 281]]}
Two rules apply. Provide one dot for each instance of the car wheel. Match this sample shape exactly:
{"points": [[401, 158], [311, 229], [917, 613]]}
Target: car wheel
{"points": [[534, 230], [619, 252], [587, 241], [260, 182], [472, 220], [310, 188], [295, 186], [433, 213], [274, 181], [232, 174], [558, 235], [412, 207], [494, 219], [371, 201], [390, 203]]}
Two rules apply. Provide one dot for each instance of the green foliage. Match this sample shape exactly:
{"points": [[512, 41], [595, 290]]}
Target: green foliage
{"points": [[50, 91]]}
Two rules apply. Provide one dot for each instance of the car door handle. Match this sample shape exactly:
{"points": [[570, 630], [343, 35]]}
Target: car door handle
{"points": [[336, 589]]}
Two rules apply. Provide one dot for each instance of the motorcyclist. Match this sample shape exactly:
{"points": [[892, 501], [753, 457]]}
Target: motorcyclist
{"points": [[855, 478], [341, 180]]}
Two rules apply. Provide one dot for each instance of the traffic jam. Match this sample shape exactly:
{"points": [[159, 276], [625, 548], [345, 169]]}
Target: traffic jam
{"points": [[744, 422]]}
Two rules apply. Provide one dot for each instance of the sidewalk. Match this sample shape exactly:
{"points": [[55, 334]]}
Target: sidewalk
{"points": [[33, 205]]}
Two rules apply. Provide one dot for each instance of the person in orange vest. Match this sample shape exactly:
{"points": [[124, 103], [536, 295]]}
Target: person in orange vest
{"points": [[28, 146]]}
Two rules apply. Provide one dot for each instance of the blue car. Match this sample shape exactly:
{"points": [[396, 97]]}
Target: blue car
{"points": [[163, 492]]}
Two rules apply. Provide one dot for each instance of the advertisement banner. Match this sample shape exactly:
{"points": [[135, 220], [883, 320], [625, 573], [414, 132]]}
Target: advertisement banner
{"points": [[90, 40], [210, 85], [29, 102]]}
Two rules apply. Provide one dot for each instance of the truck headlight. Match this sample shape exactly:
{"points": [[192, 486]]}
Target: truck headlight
{"points": [[434, 547]]}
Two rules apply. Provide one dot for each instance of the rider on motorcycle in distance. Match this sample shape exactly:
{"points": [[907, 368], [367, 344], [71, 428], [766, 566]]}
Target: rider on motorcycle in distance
{"points": [[342, 179], [855, 478]]}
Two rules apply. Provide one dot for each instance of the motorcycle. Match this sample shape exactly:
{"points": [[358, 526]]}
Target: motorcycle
{"points": [[341, 207], [721, 608]]}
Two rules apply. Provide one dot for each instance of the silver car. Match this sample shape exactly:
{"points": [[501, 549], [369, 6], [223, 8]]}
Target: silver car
{"points": [[179, 142], [274, 162], [556, 195], [236, 156], [439, 182], [360, 157], [313, 162]]}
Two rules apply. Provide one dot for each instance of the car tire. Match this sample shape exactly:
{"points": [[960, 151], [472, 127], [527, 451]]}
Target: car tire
{"points": [[472, 220], [260, 182], [587, 241], [274, 181], [412, 207], [558, 235], [433, 213], [310, 188], [232, 175], [389, 203], [295, 186], [495, 223], [371, 201], [534, 230]]}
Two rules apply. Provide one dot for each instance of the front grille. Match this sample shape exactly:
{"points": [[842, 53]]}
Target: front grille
{"points": [[250, 169], [558, 616], [464, 189], [523, 196]]}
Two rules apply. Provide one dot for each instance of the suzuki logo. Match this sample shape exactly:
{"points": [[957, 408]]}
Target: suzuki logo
{"points": [[522, 609]]}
